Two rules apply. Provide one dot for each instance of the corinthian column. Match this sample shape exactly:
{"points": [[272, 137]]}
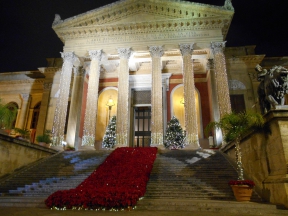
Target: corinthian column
{"points": [[221, 78], [156, 53], [62, 102], [92, 99], [192, 141], [122, 125], [75, 108]]}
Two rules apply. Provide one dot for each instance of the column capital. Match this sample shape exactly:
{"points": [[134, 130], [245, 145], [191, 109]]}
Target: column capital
{"points": [[156, 51], [217, 47], [186, 49], [95, 54], [47, 86], [25, 96], [68, 56], [124, 52]]}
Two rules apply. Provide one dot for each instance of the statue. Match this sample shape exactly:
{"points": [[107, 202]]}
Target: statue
{"points": [[57, 20], [272, 88]]}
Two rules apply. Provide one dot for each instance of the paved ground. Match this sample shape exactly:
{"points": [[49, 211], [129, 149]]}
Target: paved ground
{"points": [[10, 211]]}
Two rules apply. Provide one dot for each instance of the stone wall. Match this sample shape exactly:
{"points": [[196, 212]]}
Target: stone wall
{"points": [[15, 154], [265, 158]]}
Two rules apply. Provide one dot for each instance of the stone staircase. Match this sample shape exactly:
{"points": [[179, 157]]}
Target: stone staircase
{"points": [[30, 186], [181, 180], [197, 181], [191, 174]]}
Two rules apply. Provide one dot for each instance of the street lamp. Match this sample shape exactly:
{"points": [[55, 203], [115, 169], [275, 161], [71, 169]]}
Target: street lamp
{"points": [[110, 103]]}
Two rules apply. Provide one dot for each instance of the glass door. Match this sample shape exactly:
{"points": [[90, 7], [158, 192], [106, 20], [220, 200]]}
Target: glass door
{"points": [[142, 126]]}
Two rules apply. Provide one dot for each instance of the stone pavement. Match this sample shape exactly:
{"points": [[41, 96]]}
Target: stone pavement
{"points": [[17, 211], [40, 211]]}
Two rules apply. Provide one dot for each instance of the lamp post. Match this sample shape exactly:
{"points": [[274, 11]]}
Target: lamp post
{"points": [[110, 103]]}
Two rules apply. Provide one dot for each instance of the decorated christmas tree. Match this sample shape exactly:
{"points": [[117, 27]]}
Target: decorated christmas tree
{"points": [[109, 139], [175, 136]]}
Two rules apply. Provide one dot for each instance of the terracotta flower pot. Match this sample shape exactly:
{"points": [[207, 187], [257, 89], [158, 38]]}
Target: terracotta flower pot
{"points": [[242, 193]]}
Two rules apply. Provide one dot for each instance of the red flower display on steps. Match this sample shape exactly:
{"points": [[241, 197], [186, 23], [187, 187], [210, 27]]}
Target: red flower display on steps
{"points": [[118, 182]]}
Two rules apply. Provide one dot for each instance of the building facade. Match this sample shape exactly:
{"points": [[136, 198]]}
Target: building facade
{"points": [[143, 61]]}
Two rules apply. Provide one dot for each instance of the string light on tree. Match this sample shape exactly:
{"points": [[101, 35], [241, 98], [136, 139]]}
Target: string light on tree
{"points": [[109, 139], [175, 136]]}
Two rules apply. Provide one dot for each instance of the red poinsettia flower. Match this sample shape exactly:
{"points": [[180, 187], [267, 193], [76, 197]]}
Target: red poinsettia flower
{"points": [[118, 182], [242, 182]]}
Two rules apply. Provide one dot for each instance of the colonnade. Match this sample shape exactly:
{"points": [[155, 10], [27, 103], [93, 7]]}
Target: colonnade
{"points": [[122, 125]]}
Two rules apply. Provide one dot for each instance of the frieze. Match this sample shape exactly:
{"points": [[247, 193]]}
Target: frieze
{"points": [[140, 37], [251, 58]]}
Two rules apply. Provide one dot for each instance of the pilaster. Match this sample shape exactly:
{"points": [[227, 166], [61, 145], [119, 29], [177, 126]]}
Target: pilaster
{"points": [[23, 114], [43, 109], [72, 136]]}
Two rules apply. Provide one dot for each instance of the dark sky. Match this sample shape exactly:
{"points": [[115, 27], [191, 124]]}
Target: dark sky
{"points": [[27, 39]]}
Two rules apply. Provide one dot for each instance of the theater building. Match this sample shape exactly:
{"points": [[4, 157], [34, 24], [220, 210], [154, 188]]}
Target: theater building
{"points": [[143, 61]]}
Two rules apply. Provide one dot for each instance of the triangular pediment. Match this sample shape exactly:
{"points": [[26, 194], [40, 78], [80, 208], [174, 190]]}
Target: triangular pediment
{"points": [[133, 15], [142, 11]]}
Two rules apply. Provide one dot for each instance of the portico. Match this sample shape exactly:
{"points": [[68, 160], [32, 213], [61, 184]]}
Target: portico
{"points": [[130, 46]]}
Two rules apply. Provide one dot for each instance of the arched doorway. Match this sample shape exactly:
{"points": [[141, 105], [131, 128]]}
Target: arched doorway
{"points": [[177, 107], [107, 107]]}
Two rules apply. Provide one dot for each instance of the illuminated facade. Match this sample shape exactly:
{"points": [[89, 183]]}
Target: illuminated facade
{"points": [[153, 58]]}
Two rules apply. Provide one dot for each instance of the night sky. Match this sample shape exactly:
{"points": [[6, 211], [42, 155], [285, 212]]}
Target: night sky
{"points": [[27, 38]]}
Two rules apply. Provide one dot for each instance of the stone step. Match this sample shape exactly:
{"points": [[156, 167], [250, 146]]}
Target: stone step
{"points": [[206, 205], [36, 202]]}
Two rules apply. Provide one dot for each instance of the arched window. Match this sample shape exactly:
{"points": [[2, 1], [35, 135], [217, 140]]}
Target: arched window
{"points": [[12, 106], [35, 116]]}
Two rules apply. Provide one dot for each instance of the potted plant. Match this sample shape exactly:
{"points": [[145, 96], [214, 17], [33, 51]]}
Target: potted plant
{"points": [[45, 139], [234, 126], [24, 134]]}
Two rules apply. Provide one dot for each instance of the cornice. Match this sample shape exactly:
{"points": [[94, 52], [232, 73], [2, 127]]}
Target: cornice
{"points": [[176, 15], [145, 28], [168, 8], [246, 59]]}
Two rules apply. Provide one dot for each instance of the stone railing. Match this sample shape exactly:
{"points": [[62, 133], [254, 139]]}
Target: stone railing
{"points": [[265, 158], [17, 153]]}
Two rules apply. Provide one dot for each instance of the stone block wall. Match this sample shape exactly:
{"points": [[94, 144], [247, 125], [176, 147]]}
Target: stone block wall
{"points": [[15, 155], [265, 158]]}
